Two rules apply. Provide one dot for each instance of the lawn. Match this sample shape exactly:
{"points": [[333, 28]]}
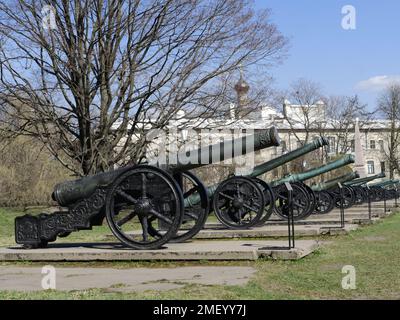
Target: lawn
{"points": [[373, 250]]}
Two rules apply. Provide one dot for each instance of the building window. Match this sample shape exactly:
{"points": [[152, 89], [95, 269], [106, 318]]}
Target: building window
{"points": [[372, 144], [383, 168], [283, 145], [352, 146], [381, 145], [332, 144], [371, 167]]}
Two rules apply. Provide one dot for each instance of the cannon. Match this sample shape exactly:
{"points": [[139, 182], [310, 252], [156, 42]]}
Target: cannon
{"points": [[362, 181], [145, 205], [384, 183], [308, 204], [325, 199], [380, 191], [326, 185], [362, 193], [228, 197]]}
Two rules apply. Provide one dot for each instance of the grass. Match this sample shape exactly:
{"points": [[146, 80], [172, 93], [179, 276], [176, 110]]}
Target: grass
{"points": [[372, 250]]}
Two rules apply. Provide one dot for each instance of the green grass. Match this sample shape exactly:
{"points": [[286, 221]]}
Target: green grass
{"points": [[372, 250]]}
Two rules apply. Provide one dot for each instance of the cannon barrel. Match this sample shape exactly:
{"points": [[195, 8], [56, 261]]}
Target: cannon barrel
{"points": [[384, 183], [361, 181], [333, 182], [274, 163], [222, 151], [317, 171], [268, 166], [66, 193]]}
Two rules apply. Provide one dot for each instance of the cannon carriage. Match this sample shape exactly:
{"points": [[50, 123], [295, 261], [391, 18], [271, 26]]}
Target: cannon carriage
{"points": [[227, 196], [359, 186], [145, 205], [326, 199], [384, 190], [316, 201]]}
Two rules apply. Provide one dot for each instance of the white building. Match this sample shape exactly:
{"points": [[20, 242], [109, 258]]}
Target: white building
{"points": [[292, 133]]}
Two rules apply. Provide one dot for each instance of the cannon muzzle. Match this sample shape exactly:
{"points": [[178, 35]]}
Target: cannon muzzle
{"points": [[317, 171], [69, 192]]}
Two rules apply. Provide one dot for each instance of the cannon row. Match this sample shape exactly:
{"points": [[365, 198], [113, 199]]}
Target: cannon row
{"points": [[148, 205]]}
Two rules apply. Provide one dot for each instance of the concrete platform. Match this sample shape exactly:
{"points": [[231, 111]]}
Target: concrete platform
{"points": [[218, 231], [196, 250], [313, 222], [270, 231]]}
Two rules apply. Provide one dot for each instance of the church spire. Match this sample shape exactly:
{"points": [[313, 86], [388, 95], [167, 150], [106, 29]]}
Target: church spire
{"points": [[242, 88]]}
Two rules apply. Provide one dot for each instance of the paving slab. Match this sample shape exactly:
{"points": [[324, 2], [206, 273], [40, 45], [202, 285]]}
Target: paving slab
{"points": [[194, 250], [123, 280]]}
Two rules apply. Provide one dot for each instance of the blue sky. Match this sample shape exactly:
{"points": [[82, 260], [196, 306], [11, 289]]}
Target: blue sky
{"points": [[344, 62]]}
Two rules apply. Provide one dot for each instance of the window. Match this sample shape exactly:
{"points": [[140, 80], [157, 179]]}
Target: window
{"points": [[371, 167], [283, 145], [381, 145], [372, 144], [383, 168], [352, 146], [332, 144]]}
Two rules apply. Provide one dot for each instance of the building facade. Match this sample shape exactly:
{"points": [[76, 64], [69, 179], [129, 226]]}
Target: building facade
{"points": [[374, 135]]}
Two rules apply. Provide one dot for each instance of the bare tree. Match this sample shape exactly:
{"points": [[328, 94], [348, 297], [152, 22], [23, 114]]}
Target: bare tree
{"points": [[389, 108], [104, 72], [342, 112], [305, 114]]}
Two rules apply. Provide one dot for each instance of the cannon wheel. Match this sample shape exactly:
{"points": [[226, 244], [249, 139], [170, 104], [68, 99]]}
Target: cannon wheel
{"points": [[269, 197], [359, 195], [379, 194], [139, 197], [195, 216], [325, 203], [372, 194], [349, 198], [301, 203], [239, 203], [311, 197]]}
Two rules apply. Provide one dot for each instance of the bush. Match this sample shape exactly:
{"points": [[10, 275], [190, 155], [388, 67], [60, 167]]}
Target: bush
{"points": [[28, 173]]}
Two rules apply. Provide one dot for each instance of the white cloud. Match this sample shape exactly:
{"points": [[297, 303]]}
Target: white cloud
{"points": [[377, 83]]}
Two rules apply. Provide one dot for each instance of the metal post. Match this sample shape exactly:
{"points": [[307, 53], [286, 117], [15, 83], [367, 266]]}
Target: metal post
{"points": [[342, 224], [290, 215], [384, 200], [369, 204]]}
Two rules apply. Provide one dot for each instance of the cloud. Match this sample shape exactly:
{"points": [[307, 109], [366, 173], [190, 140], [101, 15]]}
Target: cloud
{"points": [[377, 83]]}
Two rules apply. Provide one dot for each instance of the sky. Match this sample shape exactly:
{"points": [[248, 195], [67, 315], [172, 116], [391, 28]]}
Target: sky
{"points": [[345, 62]]}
